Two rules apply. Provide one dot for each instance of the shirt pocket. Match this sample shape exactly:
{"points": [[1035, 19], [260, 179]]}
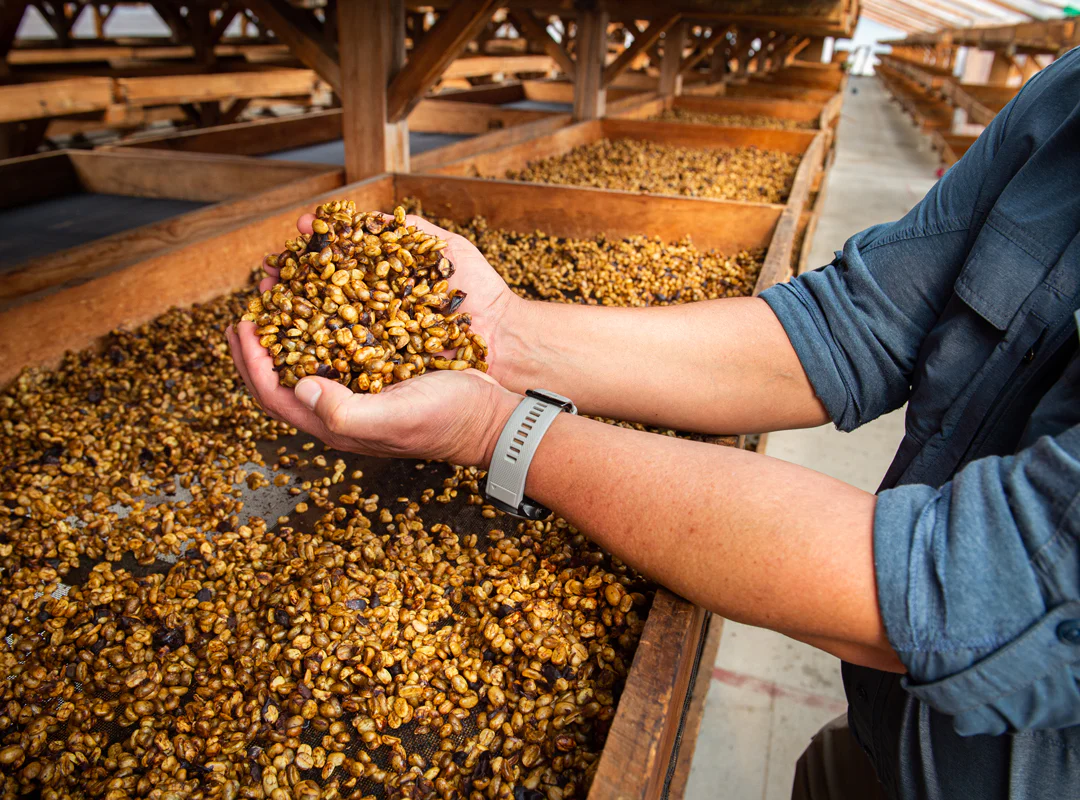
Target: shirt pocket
{"points": [[1002, 269]]}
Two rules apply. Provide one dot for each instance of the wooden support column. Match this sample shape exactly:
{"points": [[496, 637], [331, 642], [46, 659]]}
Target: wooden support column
{"points": [[366, 31], [1000, 69], [11, 14], [815, 51], [670, 77], [590, 94], [718, 63]]}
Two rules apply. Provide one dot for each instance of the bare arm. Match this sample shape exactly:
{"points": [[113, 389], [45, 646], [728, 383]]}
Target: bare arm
{"points": [[722, 366], [752, 538]]}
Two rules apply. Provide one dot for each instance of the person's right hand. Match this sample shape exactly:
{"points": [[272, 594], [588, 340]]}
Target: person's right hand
{"points": [[488, 301]]}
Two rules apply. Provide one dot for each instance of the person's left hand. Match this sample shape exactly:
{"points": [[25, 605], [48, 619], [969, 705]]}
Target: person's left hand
{"points": [[453, 416]]}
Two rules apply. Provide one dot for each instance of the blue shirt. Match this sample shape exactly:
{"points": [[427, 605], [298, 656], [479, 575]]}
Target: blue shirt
{"points": [[966, 310]]}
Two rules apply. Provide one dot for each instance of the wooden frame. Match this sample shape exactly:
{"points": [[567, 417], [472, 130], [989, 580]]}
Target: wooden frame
{"points": [[496, 163], [764, 106], [236, 187], [951, 146], [653, 705]]}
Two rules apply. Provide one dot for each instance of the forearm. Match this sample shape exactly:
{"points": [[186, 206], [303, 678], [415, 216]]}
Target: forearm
{"points": [[754, 539], [722, 366]]}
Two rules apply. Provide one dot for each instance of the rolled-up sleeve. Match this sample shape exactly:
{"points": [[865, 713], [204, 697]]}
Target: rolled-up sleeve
{"points": [[981, 600], [857, 324]]}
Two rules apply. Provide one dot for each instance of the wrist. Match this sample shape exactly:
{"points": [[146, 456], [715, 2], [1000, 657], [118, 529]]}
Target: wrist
{"points": [[518, 331], [502, 405]]}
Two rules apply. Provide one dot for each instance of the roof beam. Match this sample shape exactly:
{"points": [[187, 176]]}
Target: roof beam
{"points": [[642, 41], [445, 42], [900, 13], [536, 31], [923, 7], [299, 31], [705, 48], [892, 22]]}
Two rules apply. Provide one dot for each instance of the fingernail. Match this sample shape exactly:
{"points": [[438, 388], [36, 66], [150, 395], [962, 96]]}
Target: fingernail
{"points": [[308, 393]]}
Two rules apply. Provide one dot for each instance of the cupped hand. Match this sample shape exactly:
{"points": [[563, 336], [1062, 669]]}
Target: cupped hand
{"points": [[448, 415], [488, 300]]}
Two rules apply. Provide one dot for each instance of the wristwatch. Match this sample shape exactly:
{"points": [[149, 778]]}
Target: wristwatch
{"points": [[505, 486]]}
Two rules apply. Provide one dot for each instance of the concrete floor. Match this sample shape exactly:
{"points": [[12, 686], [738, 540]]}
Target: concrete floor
{"points": [[770, 694]]}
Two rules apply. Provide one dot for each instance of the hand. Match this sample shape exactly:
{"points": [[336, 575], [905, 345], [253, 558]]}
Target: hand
{"points": [[453, 416], [489, 300]]}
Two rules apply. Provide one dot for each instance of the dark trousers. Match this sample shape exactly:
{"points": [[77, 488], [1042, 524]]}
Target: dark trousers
{"points": [[834, 767]]}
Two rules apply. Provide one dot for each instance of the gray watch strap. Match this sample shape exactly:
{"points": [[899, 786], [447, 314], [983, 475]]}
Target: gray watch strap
{"points": [[515, 449]]}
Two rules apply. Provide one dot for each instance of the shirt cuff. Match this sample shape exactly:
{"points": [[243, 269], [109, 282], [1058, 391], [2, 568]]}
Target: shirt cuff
{"points": [[807, 329]]}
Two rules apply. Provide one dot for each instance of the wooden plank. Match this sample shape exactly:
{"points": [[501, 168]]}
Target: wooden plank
{"points": [[778, 260], [78, 265], [689, 135], [199, 177], [497, 162], [296, 27], [256, 137], [445, 42], [435, 160], [210, 267], [176, 89], [31, 179], [759, 88], [764, 106], [695, 711], [590, 96], [479, 66], [497, 94], [26, 101], [705, 49], [579, 212], [642, 42], [638, 749], [536, 31], [447, 116]]}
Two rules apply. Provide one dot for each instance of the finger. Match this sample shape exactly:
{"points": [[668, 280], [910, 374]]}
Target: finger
{"points": [[278, 401], [271, 271], [267, 283], [238, 356], [304, 223], [341, 411]]}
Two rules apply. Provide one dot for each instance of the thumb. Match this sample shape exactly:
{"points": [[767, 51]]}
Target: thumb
{"points": [[335, 405]]}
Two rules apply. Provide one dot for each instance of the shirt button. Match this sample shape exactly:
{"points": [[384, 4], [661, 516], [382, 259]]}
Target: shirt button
{"points": [[1069, 631], [1029, 356]]}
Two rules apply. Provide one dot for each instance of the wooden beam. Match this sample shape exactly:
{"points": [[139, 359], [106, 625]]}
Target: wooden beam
{"points": [[892, 22], [299, 30], [674, 42], [25, 101], [705, 49], [797, 46], [536, 31], [11, 14], [476, 66], [445, 42], [643, 40], [372, 145], [590, 95], [171, 89]]}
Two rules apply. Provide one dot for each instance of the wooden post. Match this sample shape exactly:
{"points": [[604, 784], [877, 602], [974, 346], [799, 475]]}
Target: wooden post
{"points": [[670, 77], [1000, 69], [367, 52], [815, 51], [590, 96], [718, 63], [11, 14]]}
